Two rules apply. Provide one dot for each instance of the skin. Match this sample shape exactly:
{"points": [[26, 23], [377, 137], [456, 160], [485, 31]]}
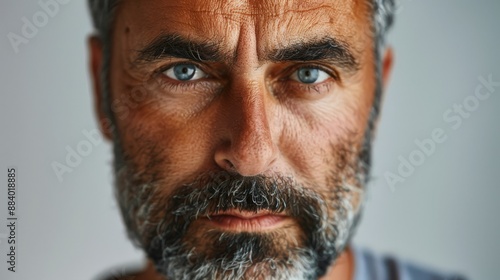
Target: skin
{"points": [[247, 115]]}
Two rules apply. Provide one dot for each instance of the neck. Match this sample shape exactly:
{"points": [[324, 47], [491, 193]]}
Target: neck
{"points": [[343, 268]]}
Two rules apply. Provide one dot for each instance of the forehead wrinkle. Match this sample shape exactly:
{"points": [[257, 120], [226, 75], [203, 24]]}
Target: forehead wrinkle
{"points": [[235, 11], [341, 22], [257, 12], [244, 10], [172, 17], [275, 23], [280, 8]]}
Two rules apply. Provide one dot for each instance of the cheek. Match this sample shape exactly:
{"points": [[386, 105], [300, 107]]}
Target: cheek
{"points": [[159, 148], [315, 134]]}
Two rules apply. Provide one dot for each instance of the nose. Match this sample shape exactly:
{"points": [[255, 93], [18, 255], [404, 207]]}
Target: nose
{"points": [[248, 148]]}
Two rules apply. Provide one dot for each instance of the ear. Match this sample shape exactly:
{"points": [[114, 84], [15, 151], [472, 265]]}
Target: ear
{"points": [[95, 64], [387, 62]]}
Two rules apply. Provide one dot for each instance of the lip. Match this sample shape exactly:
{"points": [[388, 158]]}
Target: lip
{"points": [[246, 221]]}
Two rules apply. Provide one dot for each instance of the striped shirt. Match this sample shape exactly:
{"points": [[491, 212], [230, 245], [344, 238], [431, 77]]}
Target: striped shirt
{"points": [[372, 267]]}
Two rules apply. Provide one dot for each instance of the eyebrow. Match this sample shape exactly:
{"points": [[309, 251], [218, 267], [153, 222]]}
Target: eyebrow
{"points": [[173, 45], [327, 49]]}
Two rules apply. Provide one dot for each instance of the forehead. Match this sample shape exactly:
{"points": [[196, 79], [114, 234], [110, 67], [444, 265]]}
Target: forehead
{"points": [[273, 23]]}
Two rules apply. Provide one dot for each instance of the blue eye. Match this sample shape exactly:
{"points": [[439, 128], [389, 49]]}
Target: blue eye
{"points": [[184, 72], [310, 75]]}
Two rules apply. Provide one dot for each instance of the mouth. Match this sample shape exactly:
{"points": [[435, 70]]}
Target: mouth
{"points": [[235, 220]]}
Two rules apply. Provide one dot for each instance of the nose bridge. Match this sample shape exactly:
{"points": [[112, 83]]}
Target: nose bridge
{"points": [[254, 122], [252, 149], [248, 88]]}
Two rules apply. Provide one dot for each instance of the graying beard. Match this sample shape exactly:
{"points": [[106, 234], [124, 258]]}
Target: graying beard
{"points": [[301, 267], [333, 233]]}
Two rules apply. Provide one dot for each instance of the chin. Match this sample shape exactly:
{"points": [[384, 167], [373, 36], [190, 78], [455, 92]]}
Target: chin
{"points": [[241, 255]]}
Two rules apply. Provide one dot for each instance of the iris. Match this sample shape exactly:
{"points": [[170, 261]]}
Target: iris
{"points": [[308, 75], [184, 72]]}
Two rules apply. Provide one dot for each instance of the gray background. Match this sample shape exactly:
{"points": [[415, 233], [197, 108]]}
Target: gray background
{"points": [[444, 215]]}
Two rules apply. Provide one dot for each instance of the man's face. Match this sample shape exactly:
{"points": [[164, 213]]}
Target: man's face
{"points": [[241, 132]]}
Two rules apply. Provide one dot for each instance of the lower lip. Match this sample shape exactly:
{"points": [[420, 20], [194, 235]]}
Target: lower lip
{"points": [[259, 223]]}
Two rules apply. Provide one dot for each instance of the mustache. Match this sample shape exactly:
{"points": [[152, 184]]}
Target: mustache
{"points": [[222, 191], [217, 192]]}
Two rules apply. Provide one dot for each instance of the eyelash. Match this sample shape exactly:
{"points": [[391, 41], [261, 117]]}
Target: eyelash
{"points": [[294, 68], [292, 85], [166, 67], [172, 85]]}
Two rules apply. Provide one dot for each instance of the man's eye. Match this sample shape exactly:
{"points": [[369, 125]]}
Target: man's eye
{"points": [[310, 75], [184, 72]]}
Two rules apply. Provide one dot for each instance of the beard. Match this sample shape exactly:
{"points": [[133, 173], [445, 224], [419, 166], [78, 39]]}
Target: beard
{"points": [[170, 228]]}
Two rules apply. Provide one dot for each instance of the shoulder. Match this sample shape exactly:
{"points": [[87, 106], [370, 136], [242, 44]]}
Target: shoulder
{"points": [[370, 266], [135, 271]]}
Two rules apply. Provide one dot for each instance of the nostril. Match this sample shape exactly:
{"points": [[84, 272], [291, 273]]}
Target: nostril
{"points": [[229, 165]]}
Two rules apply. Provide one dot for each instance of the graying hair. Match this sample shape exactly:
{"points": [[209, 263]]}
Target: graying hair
{"points": [[103, 11]]}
